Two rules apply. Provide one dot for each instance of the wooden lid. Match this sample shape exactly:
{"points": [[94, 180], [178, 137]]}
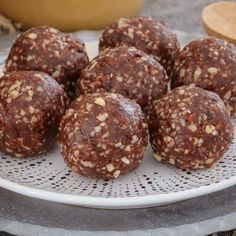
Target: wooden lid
{"points": [[219, 19]]}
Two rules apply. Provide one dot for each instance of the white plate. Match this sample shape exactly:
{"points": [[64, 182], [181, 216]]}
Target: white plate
{"points": [[152, 184]]}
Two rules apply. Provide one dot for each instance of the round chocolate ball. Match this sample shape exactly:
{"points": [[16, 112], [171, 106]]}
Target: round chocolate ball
{"points": [[103, 135], [190, 128], [127, 71], [48, 50], [146, 34], [208, 63], [31, 106]]}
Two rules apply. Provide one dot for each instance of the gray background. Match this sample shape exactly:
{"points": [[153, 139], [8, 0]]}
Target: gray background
{"points": [[183, 15]]}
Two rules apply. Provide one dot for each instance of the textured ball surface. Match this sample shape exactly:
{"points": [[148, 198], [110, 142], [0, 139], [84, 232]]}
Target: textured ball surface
{"points": [[48, 50], [190, 128], [208, 63], [127, 71], [31, 106], [103, 135], [146, 34]]}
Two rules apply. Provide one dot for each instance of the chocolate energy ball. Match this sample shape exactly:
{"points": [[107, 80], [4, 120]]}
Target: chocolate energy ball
{"points": [[31, 106], [127, 71], [145, 33], [208, 63], [48, 50], [103, 135], [190, 128]]}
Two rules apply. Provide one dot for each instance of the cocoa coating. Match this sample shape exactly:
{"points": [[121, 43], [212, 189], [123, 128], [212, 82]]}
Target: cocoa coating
{"points": [[127, 71], [146, 34], [208, 63], [48, 50], [103, 135], [31, 106], [190, 128]]}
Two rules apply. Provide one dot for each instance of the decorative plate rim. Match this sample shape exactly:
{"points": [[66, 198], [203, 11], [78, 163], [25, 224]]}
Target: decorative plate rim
{"points": [[119, 202]]}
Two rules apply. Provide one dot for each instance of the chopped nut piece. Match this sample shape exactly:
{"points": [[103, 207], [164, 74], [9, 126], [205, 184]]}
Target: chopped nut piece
{"points": [[125, 160], [167, 139], [228, 95], [99, 101], [212, 70], [157, 157], [200, 142], [195, 141], [102, 116], [34, 119], [172, 161], [56, 74], [131, 33], [182, 73], [118, 144], [32, 36], [127, 148], [181, 91], [192, 127], [14, 94], [19, 155], [197, 73], [116, 173], [76, 153], [40, 89], [22, 112], [209, 161], [31, 109], [119, 78], [87, 164], [30, 93], [105, 135], [134, 139], [209, 129], [182, 122], [215, 133], [122, 23], [88, 106], [110, 167], [97, 129], [92, 134]]}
